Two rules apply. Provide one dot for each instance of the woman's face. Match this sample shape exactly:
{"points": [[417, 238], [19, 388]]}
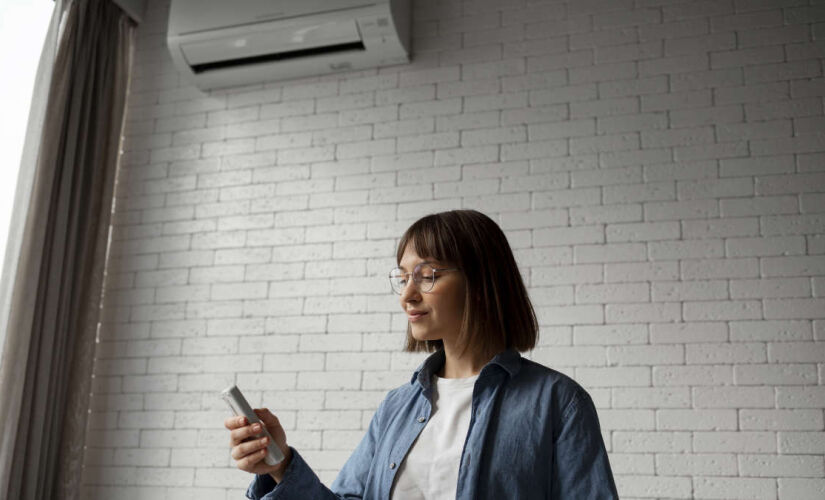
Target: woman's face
{"points": [[435, 315]]}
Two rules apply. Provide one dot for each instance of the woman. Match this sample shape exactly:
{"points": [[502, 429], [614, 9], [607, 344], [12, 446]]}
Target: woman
{"points": [[476, 421]]}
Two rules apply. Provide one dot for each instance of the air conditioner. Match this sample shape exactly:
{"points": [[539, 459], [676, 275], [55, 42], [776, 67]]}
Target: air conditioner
{"points": [[223, 43]]}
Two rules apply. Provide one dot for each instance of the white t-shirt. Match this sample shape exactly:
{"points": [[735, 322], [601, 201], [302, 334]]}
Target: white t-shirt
{"points": [[430, 470]]}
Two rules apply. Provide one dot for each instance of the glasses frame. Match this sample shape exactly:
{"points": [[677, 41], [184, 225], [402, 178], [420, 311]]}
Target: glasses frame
{"points": [[436, 270]]}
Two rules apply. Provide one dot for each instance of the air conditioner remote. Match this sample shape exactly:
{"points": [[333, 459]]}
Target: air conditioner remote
{"points": [[239, 405]]}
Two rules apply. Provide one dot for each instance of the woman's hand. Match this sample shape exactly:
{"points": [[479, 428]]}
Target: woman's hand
{"points": [[249, 451]]}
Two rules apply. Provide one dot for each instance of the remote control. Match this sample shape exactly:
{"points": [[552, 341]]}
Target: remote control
{"points": [[237, 402]]}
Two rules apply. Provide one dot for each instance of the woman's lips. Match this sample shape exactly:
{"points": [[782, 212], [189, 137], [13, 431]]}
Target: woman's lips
{"points": [[415, 316]]}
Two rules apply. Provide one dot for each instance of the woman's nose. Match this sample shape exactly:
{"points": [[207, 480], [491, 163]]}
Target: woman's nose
{"points": [[410, 292]]}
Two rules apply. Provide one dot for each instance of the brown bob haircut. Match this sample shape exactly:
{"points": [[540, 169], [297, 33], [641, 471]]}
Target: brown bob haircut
{"points": [[498, 314]]}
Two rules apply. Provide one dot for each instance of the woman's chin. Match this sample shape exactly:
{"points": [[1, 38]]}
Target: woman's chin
{"points": [[422, 335], [421, 338]]}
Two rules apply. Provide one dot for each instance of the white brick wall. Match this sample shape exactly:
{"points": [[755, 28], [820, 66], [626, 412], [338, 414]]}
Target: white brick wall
{"points": [[658, 165]]}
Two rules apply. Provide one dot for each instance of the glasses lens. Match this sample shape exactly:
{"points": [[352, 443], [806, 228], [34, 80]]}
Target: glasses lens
{"points": [[425, 277], [398, 280]]}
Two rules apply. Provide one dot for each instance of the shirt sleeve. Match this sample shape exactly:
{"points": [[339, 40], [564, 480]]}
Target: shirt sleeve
{"points": [[301, 483], [581, 468]]}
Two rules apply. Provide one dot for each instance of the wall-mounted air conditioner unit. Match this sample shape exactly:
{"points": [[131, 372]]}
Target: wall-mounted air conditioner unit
{"points": [[223, 43]]}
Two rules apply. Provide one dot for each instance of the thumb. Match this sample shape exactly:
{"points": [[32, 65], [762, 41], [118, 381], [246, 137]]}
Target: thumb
{"points": [[267, 417]]}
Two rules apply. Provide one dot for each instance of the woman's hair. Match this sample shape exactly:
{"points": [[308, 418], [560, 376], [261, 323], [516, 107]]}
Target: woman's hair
{"points": [[498, 314]]}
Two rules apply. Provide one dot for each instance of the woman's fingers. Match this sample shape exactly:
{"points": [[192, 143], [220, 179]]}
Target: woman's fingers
{"points": [[266, 416], [241, 434], [247, 446], [242, 450], [234, 422], [248, 462]]}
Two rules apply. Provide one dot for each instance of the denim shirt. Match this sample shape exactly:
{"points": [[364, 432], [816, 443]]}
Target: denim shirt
{"points": [[534, 434]]}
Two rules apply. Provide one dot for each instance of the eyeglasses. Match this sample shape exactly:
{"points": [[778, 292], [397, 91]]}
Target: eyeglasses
{"points": [[424, 276]]}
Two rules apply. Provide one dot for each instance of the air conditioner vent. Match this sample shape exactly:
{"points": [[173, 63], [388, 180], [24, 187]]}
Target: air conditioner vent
{"points": [[279, 56]]}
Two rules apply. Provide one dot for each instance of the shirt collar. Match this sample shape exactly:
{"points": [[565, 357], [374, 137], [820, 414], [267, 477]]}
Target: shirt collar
{"points": [[508, 360]]}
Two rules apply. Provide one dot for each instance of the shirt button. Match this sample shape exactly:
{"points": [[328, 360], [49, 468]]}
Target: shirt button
{"points": [[421, 419], [392, 465]]}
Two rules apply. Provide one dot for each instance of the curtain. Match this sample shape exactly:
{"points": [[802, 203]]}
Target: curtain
{"points": [[54, 295]]}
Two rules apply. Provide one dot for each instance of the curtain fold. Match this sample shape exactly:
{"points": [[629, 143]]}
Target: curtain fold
{"points": [[55, 297]]}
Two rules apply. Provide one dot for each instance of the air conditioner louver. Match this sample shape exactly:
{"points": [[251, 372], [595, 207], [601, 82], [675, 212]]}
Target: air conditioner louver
{"points": [[278, 56]]}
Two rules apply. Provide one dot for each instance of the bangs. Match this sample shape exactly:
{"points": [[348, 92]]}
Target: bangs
{"points": [[430, 238]]}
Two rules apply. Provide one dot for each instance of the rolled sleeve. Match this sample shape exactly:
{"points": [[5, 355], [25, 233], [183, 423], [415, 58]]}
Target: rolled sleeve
{"points": [[261, 485], [297, 474]]}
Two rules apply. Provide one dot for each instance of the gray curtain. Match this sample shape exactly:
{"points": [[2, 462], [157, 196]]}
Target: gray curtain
{"points": [[54, 299]]}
